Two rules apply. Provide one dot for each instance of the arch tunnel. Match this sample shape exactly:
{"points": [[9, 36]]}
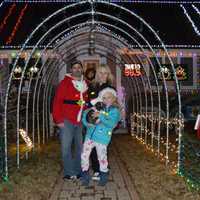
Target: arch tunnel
{"points": [[94, 32]]}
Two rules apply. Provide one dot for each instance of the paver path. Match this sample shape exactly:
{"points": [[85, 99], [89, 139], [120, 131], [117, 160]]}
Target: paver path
{"points": [[119, 186]]}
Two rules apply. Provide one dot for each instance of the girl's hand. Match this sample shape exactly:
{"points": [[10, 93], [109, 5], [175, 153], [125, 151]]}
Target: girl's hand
{"points": [[90, 125], [95, 114], [98, 121]]}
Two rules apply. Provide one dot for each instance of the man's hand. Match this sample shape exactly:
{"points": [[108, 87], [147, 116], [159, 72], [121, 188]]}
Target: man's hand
{"points": [[60, 125]]}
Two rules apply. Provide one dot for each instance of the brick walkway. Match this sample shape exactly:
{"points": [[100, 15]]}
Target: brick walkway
{"points": [[119, 186]]}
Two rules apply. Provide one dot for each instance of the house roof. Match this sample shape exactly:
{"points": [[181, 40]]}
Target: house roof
{"points": [[175, 23]]}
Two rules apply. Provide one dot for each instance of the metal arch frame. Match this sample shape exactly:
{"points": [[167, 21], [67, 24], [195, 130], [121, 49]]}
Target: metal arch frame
{"points": [[156, 58], [140, 98], [55, 69], [166, 92], [156, 82], [79, 55], [153, 72], [11, 74], [34, 93], [176, 80], [86, 49], [23, 73], [24, 46], [41, 81]]}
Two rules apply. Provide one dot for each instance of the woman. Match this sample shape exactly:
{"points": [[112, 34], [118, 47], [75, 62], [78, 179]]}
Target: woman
{"points": [[103, 79]]}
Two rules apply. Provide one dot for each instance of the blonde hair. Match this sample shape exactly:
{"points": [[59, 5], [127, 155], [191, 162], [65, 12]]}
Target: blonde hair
{"points": [[110, 78], [115, 100]]}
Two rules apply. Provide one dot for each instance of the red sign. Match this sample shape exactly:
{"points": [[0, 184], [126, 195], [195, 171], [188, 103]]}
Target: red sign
{"points": [[132, 70]]}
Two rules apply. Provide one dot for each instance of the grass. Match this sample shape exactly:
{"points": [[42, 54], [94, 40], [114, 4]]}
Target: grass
{"points": [[152, 179], [36, 177]]}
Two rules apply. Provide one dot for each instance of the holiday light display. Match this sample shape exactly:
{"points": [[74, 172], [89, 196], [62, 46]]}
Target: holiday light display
{"points": [[26, 138], [113, 1], [4, 22], [10, 38], [191, 21], [175, 121], [166, 71], [132, 70]]}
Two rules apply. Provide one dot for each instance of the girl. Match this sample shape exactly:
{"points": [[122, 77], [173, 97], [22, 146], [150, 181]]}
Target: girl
{"points": [[103, 79], [99, 135]]}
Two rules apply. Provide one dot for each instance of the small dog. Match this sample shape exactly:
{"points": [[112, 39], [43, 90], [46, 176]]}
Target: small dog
{"points": [[89, 117]]}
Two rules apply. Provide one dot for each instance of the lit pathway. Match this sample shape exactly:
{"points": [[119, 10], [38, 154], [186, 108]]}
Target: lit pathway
{"points": [[119, 186]]}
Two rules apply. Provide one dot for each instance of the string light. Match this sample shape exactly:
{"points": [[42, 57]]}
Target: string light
{"points": [[26, 138], [10, 38], [163, 157], [196, 9], [191, 21], [113, 1], [27, 47], [175, 46], [172, 147], [4, 22], [1, 4], [190, 176]]}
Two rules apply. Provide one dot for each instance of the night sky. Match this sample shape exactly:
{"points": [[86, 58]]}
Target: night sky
{"points": [[168, 20]]}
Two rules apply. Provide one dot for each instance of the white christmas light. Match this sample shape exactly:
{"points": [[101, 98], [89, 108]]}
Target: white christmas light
{"points": [[33, 69], [1, 4], [26, 138], [191, 21], [113, 1]]}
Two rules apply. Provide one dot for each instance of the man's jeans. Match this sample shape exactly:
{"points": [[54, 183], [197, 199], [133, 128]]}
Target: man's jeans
{"points": [[71, 134]]}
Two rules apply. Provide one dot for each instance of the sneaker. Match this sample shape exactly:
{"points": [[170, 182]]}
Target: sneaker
{"points": [[96, 176], [78, 176]]}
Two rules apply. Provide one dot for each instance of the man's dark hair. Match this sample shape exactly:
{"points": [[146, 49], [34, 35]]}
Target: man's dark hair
{"points": [[76, 62]]}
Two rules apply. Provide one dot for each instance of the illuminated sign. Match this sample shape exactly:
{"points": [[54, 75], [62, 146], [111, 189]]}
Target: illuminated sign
{"points": [[132, 70], [166, 72]]}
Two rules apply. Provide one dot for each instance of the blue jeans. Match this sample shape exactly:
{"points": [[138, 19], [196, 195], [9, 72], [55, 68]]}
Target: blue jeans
{"points": [[71, 157]]}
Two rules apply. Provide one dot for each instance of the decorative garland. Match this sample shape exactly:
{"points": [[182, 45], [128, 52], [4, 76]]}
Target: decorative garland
{"points": [[10, 38]]}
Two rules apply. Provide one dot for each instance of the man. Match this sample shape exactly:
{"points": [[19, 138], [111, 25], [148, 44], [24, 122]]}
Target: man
{"points": [[68, 105]]}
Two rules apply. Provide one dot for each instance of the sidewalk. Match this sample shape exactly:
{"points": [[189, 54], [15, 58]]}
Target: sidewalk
{"points": [[119, 186]]}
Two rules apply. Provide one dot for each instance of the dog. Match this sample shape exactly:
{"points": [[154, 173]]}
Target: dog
{"points": [[89, 117]]}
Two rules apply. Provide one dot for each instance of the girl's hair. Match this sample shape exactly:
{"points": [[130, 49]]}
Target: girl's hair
{"points": [[106, 68], [115, 102]]}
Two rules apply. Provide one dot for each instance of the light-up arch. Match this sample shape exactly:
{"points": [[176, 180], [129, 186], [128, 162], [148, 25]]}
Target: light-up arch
{"points": [[138, 94]]}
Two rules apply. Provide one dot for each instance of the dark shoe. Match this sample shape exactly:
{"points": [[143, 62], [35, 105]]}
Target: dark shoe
{"points": [[68, 177], [103, 178], [96, 176], [78, 176], [85, 178]]}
